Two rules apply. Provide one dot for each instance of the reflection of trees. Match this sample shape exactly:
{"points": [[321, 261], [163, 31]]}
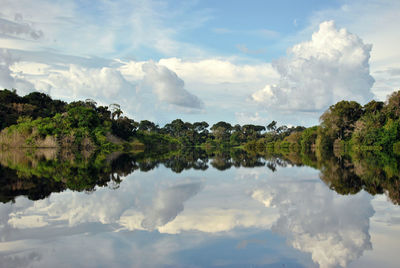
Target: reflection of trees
{"points": [[222, 161], [374, 173], [37, 175], [122, 166], [380, 174], [241, 158], [34, 188], [196, 159], [339, 175], [274, 161]]}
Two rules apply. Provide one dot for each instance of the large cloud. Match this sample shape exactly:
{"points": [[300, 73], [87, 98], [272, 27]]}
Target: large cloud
{"points": [[315, 74], [135, 85], [102, 82], [168, 87], [218, 71], [168, 203], [333, 228], [71, 82], [215, 219]]}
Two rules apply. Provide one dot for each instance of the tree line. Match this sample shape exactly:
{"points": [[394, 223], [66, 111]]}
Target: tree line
{"points": [[345, 126], [39, 113], [374, 126]]}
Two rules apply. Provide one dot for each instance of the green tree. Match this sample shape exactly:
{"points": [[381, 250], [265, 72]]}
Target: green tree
{"points": [[392, 107], [146, 125], [308, 138], [339, 120], [272, 126], [124, 127], [252, 132], [221, 131], [177, 128], [115, 110]]}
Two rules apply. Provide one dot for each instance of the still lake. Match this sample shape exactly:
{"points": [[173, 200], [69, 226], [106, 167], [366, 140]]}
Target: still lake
{"points": [[269, 214]]}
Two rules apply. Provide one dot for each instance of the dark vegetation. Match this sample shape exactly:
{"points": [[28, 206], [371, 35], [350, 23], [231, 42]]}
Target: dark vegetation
{"points": [[355, 147], [36, 176], [344, 126]]}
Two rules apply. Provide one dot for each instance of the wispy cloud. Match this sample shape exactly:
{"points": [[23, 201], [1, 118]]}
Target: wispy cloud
{"points": [[267, 33], [222, 31], [246, 50], [19, 28]]}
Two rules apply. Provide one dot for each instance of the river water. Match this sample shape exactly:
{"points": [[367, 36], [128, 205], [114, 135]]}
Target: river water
{"points": [[258, 216]]}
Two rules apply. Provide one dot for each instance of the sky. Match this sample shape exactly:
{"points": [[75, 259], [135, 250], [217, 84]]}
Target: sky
{"points": [[198, 60]]}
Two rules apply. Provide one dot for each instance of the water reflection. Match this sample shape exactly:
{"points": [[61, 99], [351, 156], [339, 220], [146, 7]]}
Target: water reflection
{"points": [[280, 212], [167, 204], [334, 229], [38, 174]]}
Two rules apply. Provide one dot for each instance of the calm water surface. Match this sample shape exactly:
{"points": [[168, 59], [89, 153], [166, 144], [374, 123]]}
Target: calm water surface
{"points": [[238, 217]]}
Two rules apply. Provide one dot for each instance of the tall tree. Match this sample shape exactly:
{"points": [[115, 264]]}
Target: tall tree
{"points": [[221, 130], [339, 120], [272, 126], [115, 110]]}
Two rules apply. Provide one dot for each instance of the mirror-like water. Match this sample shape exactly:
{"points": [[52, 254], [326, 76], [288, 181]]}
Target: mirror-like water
{"points": [[218, 211]]}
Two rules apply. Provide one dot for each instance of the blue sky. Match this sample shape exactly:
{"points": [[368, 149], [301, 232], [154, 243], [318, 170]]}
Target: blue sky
{"points": [[241, 62]]}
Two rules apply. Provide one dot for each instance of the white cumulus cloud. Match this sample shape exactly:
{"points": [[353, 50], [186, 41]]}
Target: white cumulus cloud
{"points": [[168, 87], [217, 71], [168, 203], [80, 82], [332, 66], [334, 229]]}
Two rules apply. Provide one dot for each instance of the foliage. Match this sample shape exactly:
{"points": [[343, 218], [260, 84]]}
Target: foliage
{"points": [[308, 138], [373, 126], [339, 120]]}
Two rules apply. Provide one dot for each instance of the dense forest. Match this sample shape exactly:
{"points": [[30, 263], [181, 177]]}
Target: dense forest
{"points": [[355, 147], [36, 120]]}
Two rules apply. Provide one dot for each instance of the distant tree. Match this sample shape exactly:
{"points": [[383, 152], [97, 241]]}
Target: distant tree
{"points": [[45, 106], [124, 127], [201, 127], [146, 125], [373, 107], [392, 107], [272, 126], [252, 131], [339, 120], [8, 96], [91, 103], [237, 128], [282, 129], [37, 98], [176, 128], [308, 137], [104, 113], [201, 132], [221, 130], [115, 110]]}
